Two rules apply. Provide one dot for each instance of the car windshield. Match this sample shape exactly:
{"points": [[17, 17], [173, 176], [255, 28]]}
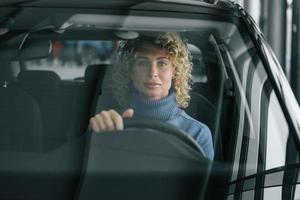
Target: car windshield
{"points": [[61, 67]]}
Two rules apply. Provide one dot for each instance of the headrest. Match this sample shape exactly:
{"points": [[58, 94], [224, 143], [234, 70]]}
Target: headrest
{"points": [[40, 76], [93, 72]]}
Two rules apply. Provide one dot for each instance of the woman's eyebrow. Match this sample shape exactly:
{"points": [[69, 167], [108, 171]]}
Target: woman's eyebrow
{"points": [[163, 58], [146, 57], [140, 57]]}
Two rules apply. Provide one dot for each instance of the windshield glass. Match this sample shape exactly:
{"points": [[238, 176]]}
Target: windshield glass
{"points": [[68, 77]]}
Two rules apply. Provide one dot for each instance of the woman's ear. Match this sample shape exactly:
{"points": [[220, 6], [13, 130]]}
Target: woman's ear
{"points": [[173, 72], [173, 75]]}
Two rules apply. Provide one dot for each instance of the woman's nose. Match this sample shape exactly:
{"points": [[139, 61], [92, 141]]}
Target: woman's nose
{"points": [[153, 70]]}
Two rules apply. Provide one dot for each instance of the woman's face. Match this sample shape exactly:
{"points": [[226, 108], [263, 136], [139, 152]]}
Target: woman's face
{"points": [[152, 72]]}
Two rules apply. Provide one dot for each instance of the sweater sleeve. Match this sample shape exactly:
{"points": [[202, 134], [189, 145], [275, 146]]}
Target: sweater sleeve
{"points": [[199, 131], [204, 138]]}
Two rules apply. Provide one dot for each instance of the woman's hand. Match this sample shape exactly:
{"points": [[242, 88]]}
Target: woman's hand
{"points": [[109, 120]]}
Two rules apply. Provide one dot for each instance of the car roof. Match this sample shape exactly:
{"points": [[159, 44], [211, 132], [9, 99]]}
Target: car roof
{"points": [[173, 5], [23, 15]]}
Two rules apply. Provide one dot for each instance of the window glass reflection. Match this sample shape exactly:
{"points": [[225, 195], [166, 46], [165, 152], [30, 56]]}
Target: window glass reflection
{"points": [[277, 135]]}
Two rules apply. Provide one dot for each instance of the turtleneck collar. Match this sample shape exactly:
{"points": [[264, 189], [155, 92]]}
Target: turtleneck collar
{"points": [[164, 109]]}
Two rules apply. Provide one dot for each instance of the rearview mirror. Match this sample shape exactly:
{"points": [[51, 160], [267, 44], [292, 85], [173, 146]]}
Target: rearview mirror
{"points": [[25, 48]]}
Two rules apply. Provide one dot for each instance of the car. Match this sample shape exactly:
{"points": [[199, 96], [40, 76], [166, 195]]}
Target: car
{"points": [[55, 72]]}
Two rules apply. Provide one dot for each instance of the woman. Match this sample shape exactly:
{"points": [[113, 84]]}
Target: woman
{"points": [[152, 80]]}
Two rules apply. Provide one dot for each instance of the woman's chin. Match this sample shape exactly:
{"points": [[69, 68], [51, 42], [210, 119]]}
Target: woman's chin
{"points": [[155, 96]]}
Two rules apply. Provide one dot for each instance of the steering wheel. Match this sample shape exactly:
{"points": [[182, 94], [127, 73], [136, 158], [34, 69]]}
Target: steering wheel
{"points": [[165, 128]]}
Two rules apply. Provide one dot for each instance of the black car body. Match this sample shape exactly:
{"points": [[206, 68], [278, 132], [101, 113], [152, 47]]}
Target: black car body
{"points": [[55, 57]]}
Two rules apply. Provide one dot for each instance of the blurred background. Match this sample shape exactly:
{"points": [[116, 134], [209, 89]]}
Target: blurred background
{"points": [[279, 21]]}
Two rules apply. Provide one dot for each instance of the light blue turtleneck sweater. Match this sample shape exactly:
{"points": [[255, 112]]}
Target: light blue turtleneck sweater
{"points": [[167, 110]]}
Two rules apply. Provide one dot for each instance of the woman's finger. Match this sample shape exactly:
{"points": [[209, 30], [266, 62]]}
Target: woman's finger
{"points": [[94, 125], [128, 113], [100, 122], [117, 120], [107, 120]]}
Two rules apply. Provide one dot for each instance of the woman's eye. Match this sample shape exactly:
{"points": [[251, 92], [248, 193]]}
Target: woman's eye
{"points": [[142, 63], [162, 64]]}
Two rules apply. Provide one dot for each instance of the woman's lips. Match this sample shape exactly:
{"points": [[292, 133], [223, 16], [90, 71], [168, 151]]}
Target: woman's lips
{"points": [[152, 85]]}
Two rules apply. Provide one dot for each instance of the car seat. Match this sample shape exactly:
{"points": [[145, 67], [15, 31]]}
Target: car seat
{"points": [[105, 99], [43, 86], [85, 103], [20, 116]]}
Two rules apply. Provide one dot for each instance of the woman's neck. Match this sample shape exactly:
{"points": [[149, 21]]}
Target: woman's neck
{"points": [[163, 109]]}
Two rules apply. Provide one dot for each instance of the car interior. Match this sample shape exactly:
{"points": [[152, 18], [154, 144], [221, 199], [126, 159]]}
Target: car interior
{"points": [[57, 63], [43, 98], [49, 126]]}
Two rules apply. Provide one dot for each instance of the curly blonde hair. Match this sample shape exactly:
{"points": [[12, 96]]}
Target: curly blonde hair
{"points": [[180, 57]]}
